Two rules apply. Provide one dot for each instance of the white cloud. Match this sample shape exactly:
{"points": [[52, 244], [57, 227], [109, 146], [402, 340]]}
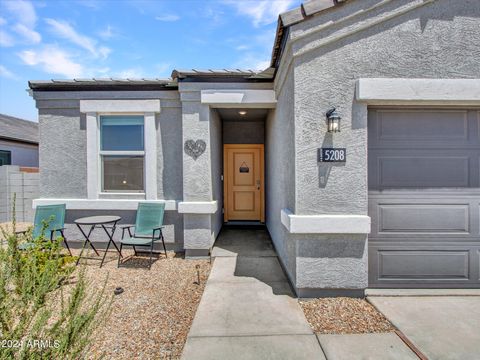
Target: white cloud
{"points": [[23, 11], [262, 12], [4, 72], [31, 36], [104, 51], [6, 40], [26, 18], [52, 60], [107, 33], [2, 21], [251, 61], [131, 73], [92, 4], [65, 30], [167, 17], [242, 47], [163, 69]]}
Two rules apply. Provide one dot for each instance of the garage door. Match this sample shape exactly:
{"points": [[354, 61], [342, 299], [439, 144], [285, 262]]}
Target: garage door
{"points": [[424, 197]]}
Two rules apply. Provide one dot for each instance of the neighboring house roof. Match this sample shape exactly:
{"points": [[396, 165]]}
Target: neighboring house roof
{"points": [[12, 128], [295, 16]]}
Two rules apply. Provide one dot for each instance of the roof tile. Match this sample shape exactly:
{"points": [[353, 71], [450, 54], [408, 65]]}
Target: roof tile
{"points": [[18, 129]]}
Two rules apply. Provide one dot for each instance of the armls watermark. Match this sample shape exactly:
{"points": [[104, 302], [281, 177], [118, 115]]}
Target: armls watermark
{"points": [[30, 343]]}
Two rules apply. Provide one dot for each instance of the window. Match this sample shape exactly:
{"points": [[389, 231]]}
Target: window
{"points": [[5, 157], [122, 153]]}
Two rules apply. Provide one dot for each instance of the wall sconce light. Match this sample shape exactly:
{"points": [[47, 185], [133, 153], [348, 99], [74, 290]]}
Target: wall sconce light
{"points": [[333, 120]]}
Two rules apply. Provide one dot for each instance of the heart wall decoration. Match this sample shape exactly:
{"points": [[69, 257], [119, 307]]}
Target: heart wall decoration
{"points": [[194, 148]]}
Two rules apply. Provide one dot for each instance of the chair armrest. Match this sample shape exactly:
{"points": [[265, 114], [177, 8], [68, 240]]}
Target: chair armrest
{"points": [[126, 227], [53, 231], [159, 229]]}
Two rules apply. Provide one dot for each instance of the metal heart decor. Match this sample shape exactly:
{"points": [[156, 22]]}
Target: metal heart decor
{"points": [[195, 148]]}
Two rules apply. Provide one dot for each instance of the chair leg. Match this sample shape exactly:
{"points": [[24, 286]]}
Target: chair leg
{"points": [[134, 250], [151, 252], [68, 247], [66, 243], [118, 263], [164, 248]]}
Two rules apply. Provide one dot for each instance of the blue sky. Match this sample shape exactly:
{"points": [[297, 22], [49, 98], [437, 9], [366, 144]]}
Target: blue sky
{"points": [[127, 38]]}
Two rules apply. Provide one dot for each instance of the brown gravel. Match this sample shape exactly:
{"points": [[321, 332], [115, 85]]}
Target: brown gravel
{"points": [[20, 226], [344, 316], [152, 317]]}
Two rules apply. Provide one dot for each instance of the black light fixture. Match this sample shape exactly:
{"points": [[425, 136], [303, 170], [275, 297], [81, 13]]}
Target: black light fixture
{"points": [[333, 120]]}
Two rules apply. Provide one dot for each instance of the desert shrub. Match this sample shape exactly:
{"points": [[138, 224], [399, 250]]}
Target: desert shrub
{"points": [[47, 309]]}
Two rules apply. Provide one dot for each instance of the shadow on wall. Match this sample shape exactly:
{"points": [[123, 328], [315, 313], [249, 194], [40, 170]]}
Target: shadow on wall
{"points": [[335, 246], [440, 10], [324, 168], [173, 231]]}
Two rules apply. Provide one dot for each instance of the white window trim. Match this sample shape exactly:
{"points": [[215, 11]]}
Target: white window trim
{"points": [[119, 153], [125, 107]]}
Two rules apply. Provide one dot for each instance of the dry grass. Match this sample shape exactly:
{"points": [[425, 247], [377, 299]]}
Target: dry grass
{"points": [[344, 316], [152, 317]]}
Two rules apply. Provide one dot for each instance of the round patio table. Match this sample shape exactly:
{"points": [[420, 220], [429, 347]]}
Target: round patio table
{"points": [[105, 222]]}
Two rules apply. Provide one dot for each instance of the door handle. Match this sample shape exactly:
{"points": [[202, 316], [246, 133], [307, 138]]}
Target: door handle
{"points": [[258, 184]]}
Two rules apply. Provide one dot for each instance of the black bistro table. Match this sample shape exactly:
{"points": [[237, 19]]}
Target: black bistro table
{"points": [[106, 222]]}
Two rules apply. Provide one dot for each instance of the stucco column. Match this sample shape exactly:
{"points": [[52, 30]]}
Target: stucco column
{"points": [[197, 186]]}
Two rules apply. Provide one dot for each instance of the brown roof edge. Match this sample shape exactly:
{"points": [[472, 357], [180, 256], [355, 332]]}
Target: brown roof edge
{"points": [[305, 11]]}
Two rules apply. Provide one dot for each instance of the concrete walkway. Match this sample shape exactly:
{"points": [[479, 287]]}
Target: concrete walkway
{"points": [[442, 327], [248, 310]]}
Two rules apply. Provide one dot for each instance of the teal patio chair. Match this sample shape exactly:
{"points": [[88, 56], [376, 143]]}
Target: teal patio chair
{"points": [[49, 220], [148, 229]]}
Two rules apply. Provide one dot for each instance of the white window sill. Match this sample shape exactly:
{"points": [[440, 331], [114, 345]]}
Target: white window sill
{"points": [[114, 193], [103, 204]]}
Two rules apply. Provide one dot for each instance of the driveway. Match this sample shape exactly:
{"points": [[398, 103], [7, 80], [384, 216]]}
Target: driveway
{"points": [[442, 327]]}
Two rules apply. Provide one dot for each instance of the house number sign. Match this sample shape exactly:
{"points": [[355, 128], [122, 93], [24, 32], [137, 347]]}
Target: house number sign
{"points": [[332, 155]]}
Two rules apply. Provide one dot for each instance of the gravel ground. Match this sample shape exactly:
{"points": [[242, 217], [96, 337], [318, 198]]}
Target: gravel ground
{"points": [[344, 316], [152, 317], [20, 226]]}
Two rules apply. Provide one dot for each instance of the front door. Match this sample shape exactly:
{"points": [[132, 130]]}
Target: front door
{"points": [[243, 182]]}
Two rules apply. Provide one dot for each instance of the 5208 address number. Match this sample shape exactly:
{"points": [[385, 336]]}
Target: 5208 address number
{"points": [[332, 155]]}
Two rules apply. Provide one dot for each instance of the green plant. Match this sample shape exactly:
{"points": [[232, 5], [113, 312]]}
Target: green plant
{"points": [[47, 308]]}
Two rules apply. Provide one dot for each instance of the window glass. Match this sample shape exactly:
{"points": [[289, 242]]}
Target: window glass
{"points": [[121, 133], [5, 157], [123, 173]]}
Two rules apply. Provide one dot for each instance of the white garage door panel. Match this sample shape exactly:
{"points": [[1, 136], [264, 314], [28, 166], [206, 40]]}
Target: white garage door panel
{"points": [[424, 198]]}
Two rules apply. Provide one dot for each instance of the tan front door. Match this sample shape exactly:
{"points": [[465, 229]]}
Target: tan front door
{"points": [[243, 182]]}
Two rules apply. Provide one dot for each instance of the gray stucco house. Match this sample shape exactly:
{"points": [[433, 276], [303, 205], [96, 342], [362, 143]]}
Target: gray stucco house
{"points": [[18, 141], [396, 203]]}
